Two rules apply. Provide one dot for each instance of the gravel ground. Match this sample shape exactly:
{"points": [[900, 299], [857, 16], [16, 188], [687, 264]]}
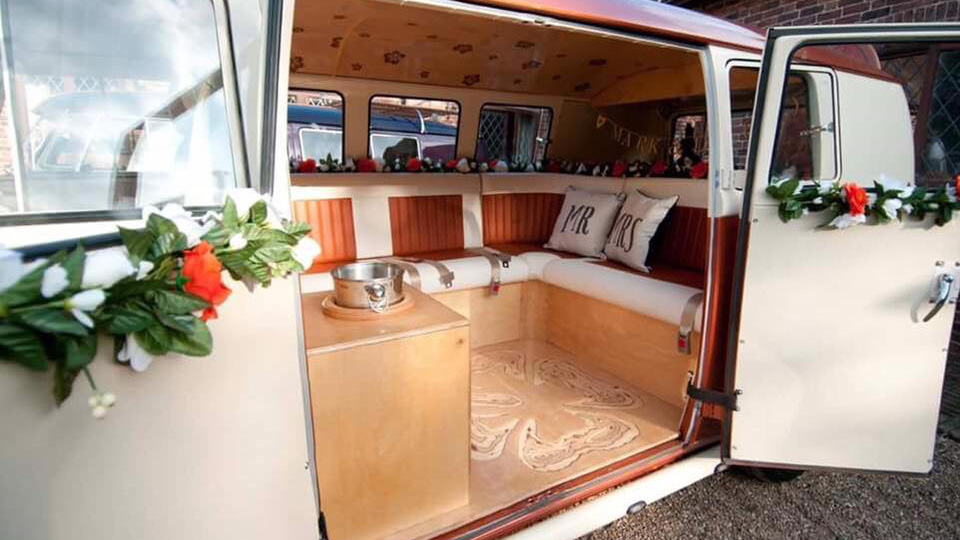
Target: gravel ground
{"points": [[814, 506]]}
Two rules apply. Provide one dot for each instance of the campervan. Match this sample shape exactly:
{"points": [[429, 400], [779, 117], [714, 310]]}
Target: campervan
{"points": [[556, 363]]}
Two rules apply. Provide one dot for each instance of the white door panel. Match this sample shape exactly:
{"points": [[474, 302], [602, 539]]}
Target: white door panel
{"points": [[833, 363]]}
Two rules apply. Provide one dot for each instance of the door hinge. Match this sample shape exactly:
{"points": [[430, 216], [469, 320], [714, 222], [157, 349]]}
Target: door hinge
{"points": [[713, 400], [322, 525]]}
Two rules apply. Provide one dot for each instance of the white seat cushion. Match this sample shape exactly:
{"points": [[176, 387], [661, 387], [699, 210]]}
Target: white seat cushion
{"points": [[535, 261], [658, 299], [469, 273]]}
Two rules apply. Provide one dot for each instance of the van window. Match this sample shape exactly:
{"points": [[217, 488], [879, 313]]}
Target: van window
{"points": [[114, 106], [314, 125], [406, 127], [689, 140], [806, 145], [513, 133]]}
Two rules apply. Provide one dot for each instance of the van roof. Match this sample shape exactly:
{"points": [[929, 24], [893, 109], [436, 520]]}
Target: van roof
{"points": [[643, 16]]}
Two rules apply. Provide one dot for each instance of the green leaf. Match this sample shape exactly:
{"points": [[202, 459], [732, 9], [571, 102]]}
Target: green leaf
{"points": [[159, 225], [23, 346], [63, 379], [218, 236], [230, 218], [197, 342], [26, 290], [167, 243], [80, 351], [180, 323], [137, 242], [127, 289], [298, 229], [53, 321], [273, 253], [126, 320], [258, 212], [788, 188], [176, 302], [155, 340], [73, 264]]}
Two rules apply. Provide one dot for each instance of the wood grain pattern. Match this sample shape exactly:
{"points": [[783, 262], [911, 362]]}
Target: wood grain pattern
{"points": [[322, 333], [519, 217], [392, 432], [331, 221], [638, 349], [493, 319], [426, 223]]}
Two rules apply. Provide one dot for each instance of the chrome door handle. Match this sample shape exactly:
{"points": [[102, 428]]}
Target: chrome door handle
{"points": [[944, 284]]}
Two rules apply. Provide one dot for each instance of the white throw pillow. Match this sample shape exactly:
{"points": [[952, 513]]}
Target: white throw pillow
{"points": [[584, 222], [639, 218]]}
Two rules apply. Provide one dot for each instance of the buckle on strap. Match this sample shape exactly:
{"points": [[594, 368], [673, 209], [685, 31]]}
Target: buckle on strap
{"points": [[503, 257], [687, 319]]}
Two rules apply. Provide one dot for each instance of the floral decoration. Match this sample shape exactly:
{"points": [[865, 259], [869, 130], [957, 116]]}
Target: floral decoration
{"points": [[852, 204], [153, 295]]}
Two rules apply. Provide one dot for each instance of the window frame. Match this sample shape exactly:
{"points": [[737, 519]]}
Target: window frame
{"points": [[343, 119], [834, 95], [456, 137], [318, 130], [549, 141], [233, 113], [411, 136]]}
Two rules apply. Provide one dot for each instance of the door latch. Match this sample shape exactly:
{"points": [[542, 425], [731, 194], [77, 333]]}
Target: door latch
{"points": [[941, 295]]}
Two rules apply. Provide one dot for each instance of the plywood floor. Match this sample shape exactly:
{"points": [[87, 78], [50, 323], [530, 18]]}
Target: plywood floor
{"points": [[540, 417]]}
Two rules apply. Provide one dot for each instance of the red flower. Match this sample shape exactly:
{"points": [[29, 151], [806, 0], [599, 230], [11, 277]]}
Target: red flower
{"points": [[619, 168], [699, 170], [307, 166], [856, 199], [658, 168], [956, 184], [554, 166], [366, 165], [451, 165], [203, 272], [413, 165]]}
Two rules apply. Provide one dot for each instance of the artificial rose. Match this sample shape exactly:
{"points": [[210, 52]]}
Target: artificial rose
{"points": [[54, 281], [367, 165], [956, 183], [204, 272], [658, 168], [500, 166], [307, 166], [700, 170], [619, 168], [857, 199], [103, 268], [451, 165], [463, 165], [413, 165], [554, 166]]}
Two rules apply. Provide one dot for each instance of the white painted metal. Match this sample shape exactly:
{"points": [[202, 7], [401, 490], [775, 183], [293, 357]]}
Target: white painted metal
{"points": [[835, 365], [611, 506]]}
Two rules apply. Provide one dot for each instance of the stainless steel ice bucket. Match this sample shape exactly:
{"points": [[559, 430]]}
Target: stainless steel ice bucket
{"points": [[373, 285]]}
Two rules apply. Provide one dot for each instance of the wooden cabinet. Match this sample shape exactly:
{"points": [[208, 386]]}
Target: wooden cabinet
{"points": [[391, 409]]}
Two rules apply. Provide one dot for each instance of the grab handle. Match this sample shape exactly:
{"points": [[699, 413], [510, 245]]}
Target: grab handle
{"points": [[944, 284], [377, 297]]}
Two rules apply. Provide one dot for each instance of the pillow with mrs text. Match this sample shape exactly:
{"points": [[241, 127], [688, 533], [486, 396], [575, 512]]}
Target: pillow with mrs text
{"points": [[629, 241], [584, 222]]}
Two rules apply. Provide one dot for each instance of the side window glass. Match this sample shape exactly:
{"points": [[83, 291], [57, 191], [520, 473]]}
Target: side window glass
{"points": [[314, 125], [113, 106], [402, 128], [513, 133], [689, 140]]}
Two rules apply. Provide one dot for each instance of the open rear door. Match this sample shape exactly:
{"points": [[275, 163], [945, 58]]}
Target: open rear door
{"points": [[835, 362]]}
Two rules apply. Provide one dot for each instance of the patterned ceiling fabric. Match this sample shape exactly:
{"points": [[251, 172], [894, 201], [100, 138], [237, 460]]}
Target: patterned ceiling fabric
{"points": [[385, 41]]}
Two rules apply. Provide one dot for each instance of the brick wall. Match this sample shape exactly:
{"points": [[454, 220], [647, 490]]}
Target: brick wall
{"points": [[767, 13]]}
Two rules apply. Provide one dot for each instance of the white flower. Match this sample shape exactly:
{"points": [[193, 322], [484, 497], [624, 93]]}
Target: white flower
{"points": [[483, 167], [305, 252], [54, 281], [908, 209], [890, 207], [133, 353], [212, 216], [237, 241], [378, 164], [83, 302], [844, 221], [818, 200], [143, 269], [827, 187], [349, 165], [105, 267], [463, 165], [529, 168], [100, 402], [245, 198], [183, 220]]}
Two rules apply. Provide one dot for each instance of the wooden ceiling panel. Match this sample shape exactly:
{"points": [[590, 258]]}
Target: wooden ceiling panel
{"points": [[387, 41]]}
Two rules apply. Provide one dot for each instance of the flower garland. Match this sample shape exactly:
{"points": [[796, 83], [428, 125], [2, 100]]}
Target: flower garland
{"points": [[852, 205], [616, 169], [154, 295]]}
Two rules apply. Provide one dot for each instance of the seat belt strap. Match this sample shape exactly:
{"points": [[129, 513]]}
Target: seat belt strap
{"points": [[446, 275], [495, 263], [687, 319], [504, 257]]}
